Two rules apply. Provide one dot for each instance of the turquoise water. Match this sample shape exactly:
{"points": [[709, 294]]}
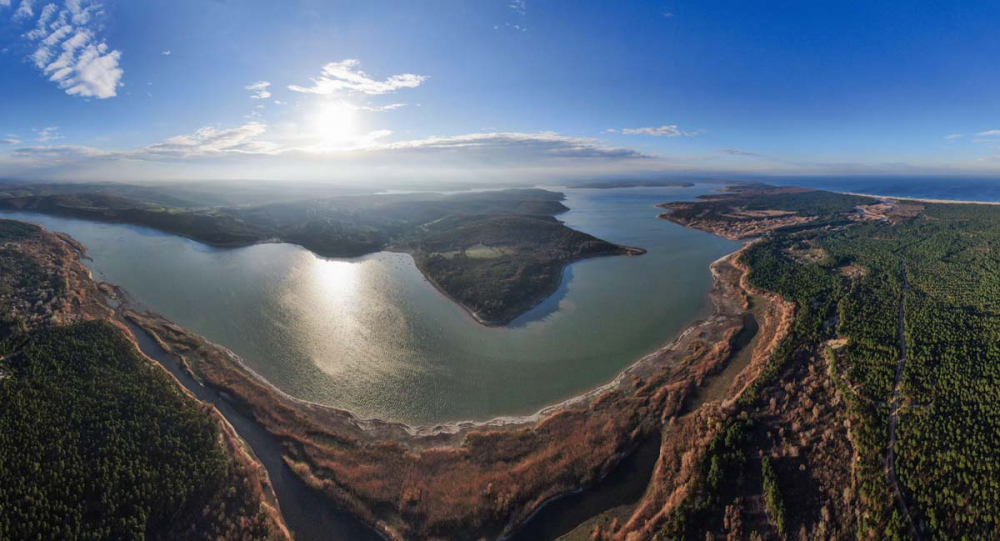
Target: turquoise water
{"points": [[371, 335]]}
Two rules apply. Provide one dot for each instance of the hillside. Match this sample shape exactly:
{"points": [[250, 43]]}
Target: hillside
{"points": [[98, 442]]}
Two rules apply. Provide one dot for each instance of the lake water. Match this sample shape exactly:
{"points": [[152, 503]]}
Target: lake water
{"points": [[371, 335]]}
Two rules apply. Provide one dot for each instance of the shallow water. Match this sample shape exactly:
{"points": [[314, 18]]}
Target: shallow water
{"points": [[371, 335], [308, 513]]}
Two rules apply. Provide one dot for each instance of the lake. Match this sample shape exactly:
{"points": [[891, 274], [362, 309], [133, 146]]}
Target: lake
{"points": [[371, 335]]}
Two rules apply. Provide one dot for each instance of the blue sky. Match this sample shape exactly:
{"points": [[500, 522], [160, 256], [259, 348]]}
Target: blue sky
{"points": [[484, 90]]}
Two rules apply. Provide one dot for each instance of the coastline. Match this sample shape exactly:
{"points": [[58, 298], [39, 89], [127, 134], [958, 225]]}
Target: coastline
{"points": [[622, 411], [458, 426], [645, 379], [920, 199], [626, 251]]}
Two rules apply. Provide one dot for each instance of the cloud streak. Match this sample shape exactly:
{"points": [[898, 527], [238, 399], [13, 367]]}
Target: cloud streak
{"points": [[662, 131], [258, 90], [208, 141], [541, 144], [48, 134], [345, 77], [254, 138], [738, 152], [382, 108]]}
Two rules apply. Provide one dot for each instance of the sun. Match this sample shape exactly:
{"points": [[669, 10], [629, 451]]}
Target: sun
{"points": [[335, 123]]}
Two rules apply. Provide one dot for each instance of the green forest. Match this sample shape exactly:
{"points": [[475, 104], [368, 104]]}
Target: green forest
{"points": [[946, 453], [98, 443]]}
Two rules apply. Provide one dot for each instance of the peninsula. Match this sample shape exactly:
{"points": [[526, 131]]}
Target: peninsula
{"points": [[497, 253]]}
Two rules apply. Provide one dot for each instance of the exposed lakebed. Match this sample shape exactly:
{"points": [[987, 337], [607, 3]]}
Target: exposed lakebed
{"points": [[371, 335]]}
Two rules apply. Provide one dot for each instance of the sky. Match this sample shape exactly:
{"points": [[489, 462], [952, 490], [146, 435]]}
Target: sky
{"points": [[496, 90]]}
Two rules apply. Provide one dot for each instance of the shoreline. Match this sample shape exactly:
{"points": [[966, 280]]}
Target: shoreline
{"points": [[623, 411], [456, 427], [129, 303], [626, 251], [918, 199]]}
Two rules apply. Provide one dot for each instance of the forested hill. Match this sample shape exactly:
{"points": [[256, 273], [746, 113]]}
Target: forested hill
{"points": [[96, 441], [497, 277], [896, 340]]}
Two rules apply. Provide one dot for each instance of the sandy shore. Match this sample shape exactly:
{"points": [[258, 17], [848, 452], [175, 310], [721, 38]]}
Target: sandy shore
{"points": [[921, 200]]}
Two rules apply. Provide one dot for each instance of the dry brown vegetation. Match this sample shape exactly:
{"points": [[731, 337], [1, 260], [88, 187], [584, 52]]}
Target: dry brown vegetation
{"points": [[747, 225], [888, 210], [686, 437]]}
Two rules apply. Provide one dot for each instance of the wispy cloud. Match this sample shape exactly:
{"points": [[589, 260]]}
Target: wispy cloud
{"points": [[254, 138], [382, 108], [165, 52], [57, 154], [258, 90], [954, 136], [11, 139], [738, 152], [24, 10], [50, 133], [988, 136], [663, 131], [344, 76], [548, 144], [519, 6], [69, 51], [210, 140]]}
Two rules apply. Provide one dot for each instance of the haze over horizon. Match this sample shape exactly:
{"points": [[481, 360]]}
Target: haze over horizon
{"points": [[505, 91]]}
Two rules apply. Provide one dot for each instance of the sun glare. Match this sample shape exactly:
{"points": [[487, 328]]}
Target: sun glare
{"points": [[335, 123]]}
